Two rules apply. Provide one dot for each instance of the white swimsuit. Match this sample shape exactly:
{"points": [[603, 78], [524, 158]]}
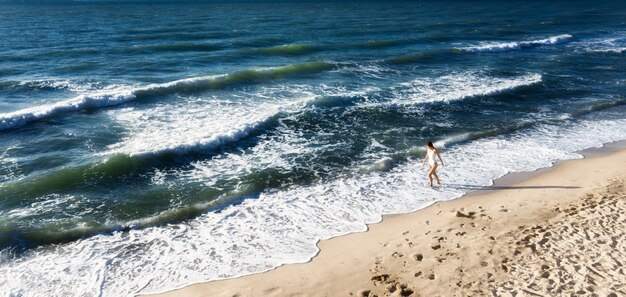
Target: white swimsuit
{"points": [[431, 157]]}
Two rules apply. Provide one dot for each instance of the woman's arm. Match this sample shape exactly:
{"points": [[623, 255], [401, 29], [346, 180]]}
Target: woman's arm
{"points": [[425, 157], [439, 156]]}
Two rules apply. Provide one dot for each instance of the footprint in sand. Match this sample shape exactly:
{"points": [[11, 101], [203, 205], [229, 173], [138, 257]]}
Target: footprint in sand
{"points": [[469, 215], [397, 255], [380, 278]]}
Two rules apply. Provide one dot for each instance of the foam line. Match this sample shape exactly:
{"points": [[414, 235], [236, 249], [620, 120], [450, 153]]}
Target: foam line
{"points": [[231, 135], [611, 45], [458, 87], [516, 45], [93, 100], [116, 95]]}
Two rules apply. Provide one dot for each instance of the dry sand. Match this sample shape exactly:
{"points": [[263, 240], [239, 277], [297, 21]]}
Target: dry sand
{"points": [[560, 233]]}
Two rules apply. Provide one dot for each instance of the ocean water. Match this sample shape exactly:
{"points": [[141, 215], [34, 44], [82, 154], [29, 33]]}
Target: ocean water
{"points": [[148, 146]]}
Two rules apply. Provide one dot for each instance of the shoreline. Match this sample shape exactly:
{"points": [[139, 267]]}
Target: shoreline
{"points": [[512, 178], [508, 182]]}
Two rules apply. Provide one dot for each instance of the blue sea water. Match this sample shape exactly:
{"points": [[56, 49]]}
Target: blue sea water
{"points": [[148, 146]]}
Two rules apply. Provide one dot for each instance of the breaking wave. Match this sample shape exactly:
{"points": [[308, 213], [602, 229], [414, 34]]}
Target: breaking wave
{"points": [[116, 95], [457, 87], [516, 45]]}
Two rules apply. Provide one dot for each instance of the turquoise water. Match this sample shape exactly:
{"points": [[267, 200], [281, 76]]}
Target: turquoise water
{"points": [[229, 137]]}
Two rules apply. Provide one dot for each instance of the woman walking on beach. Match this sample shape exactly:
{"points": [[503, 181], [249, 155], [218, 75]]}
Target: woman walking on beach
{"points": [[431, 151]]}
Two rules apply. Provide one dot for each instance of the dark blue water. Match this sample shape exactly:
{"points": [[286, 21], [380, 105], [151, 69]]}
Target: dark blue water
{"points": [[185, 142]]}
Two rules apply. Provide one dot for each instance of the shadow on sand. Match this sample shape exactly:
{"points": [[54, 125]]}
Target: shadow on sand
{"points": [[494, 188]]}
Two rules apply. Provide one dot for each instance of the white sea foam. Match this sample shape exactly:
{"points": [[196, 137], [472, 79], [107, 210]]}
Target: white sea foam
{"points": [[282, 226], [47, 205], [112, 95], [457, 86], [515, 45], [201, 123], [167, 129], [366, 70], [616, 50], [108, 96], [91, 98], [612, 44], [279, 152], [57, 84], [9, 166], [116, 94]]}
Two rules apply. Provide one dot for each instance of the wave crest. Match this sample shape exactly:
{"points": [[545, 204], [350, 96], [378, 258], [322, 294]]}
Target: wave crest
{"points": [[516, 45], [457, 87], [116, 95], [94, 100]]}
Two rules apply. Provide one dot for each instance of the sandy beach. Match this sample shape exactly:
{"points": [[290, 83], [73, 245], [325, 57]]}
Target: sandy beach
{"points": [[560, 232]]}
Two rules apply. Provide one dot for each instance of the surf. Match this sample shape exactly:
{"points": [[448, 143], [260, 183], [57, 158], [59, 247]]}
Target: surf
{"points": [[116, 95], [378, 193], [516, 45]]}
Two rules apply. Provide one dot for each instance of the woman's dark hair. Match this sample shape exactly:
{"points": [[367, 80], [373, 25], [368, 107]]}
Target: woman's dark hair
{"points": [[430, 145]]}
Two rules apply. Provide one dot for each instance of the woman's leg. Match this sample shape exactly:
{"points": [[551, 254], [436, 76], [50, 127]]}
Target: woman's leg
{"points": [[431, 171], [430, 180], [436, 175]]}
